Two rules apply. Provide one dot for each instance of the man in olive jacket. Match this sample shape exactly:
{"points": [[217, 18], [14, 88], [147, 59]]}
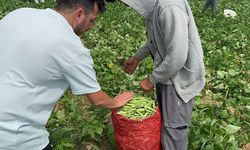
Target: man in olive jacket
{"points": [[178, 74]]}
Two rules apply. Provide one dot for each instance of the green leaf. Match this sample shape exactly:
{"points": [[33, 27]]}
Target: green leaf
{"points": [[220, 74], [214, 121], [248, 108], [232, 72], [136, 82], [68, 145], [92, 117], [244, 100], [224, 114], [247, 111], [247, 90], [231, 139], [99, 131], [67, 129], [220, 86], [60, 114], [231, 129], [110, 65]]}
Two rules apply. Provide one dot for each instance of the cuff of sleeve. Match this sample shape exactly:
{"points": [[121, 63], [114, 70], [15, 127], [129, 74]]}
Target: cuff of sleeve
{"points": [[140, 54], [152, 79], [83, 92]]}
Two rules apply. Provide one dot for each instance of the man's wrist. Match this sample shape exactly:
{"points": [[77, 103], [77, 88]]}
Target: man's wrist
{"points": [[137, 57], [152, 79]]}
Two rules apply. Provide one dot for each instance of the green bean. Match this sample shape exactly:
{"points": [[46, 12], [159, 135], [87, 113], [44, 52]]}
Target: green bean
{"points": [[138, 108]]}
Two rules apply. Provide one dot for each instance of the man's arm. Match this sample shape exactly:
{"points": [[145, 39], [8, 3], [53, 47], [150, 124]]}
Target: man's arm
{"points": [[131, 64], [101, 99]]}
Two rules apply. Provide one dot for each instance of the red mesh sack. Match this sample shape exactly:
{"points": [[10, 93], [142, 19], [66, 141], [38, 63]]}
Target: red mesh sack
{"points": [[131, 134]]}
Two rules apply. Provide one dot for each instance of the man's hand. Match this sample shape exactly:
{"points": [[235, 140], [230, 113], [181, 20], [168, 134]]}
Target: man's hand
{"points": [[101, 99], [146, 85], [131, 64], [123, 98]]}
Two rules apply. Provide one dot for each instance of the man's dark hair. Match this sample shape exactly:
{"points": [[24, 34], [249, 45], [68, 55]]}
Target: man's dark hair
{"points": [[87, 4]]}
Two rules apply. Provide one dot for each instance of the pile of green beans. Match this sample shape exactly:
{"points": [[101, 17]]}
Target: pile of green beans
{"points": [[138, 108]]}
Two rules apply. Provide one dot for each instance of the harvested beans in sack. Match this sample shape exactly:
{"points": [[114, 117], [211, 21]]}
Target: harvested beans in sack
{"points": [[137, 125], [138, 108]]}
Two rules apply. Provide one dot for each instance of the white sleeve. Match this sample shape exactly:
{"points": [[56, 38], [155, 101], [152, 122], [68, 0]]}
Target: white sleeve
{"points": [[81, 75]]}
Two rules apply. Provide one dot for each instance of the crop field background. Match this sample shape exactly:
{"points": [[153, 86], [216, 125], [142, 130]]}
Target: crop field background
{"points": [[221, 116]]}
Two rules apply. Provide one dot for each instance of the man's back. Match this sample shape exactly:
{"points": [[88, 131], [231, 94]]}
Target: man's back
{"points": [[181, 45]]}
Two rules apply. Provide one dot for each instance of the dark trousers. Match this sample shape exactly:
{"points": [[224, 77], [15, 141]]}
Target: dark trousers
{"points": [[212, 4], [176, 116]]}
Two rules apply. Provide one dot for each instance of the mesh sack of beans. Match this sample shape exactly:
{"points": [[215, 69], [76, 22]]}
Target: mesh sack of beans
{"points": [[137, 125]]}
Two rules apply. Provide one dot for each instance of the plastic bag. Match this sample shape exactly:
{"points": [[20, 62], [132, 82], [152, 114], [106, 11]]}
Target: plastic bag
{"points": [[133, 134]]}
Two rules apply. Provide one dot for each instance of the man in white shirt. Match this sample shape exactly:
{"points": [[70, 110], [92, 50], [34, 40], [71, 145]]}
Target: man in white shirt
{"points": [[41, 55]]}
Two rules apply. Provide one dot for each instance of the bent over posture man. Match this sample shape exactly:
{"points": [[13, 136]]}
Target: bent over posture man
{"points": [[41, 54], [178, 73]]}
